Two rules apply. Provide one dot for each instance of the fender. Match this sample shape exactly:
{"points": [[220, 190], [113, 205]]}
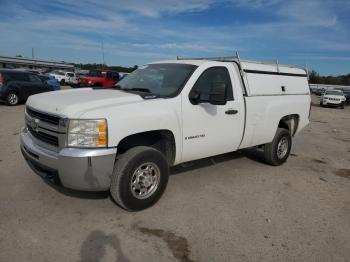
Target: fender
{"points": [[144, 116]]}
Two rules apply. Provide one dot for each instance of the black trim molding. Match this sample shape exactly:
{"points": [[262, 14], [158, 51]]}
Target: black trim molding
{"points": [[273, 73]]}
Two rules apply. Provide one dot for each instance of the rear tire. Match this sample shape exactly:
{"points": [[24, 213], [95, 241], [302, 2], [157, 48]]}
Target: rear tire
{"points": [[12, 99], [139, 178], [277, 152], [62, 82]]}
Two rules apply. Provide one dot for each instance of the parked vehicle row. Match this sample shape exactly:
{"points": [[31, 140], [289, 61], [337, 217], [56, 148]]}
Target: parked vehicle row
{"points": [[16, 86]]}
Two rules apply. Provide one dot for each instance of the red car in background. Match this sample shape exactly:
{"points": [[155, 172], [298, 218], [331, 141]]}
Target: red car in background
{"points": [[99, 78]]}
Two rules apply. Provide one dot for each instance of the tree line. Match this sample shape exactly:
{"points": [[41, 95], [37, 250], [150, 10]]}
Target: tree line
{"points": [[315, 78]]}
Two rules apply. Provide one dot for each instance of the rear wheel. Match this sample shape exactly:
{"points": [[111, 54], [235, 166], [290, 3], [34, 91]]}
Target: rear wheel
{"points": [[277, 152], [62, 82], [12, 99], [139, 179]]}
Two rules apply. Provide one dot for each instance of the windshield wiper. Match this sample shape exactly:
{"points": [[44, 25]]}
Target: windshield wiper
{"points": [[118, 87], [144, 90], [147, 93]]}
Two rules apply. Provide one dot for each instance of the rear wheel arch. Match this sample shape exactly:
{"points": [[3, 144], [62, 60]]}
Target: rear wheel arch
{"points": [[161, 140], [290, 122]]}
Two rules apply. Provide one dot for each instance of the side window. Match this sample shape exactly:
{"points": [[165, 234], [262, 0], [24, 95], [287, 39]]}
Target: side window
{"points": [[20, 77], [211, 76], [34, 79], [70, 74], [115, 76]]}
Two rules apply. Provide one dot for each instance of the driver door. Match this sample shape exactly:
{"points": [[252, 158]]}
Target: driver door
{"points": [[211, 129]]}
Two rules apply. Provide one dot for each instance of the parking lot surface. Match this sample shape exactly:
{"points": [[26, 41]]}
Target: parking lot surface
{"points": [[231, 207]]}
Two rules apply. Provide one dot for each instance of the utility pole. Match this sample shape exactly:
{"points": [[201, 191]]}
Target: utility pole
{"points": [[103, 54]]}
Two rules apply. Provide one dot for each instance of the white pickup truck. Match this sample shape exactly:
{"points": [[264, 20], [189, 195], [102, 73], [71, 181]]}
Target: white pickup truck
{"points": [[64, 78], [124, 139]]}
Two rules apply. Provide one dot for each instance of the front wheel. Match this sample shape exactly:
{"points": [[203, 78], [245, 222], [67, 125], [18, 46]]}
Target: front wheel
{"points": [[277, 152], [139, 178], [12, 99]]}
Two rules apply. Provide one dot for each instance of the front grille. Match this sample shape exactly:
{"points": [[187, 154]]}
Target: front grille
{"points": [[43, 117], [49, 139]]}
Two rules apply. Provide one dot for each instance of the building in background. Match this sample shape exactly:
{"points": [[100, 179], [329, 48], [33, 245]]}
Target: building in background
{"points": [[40, 65]]}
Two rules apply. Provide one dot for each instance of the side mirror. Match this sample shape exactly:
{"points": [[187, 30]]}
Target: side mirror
{"points": [[194, 97], [218, 94]]}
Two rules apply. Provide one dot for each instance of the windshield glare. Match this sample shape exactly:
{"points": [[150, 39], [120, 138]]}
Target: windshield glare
{"points": [[164, 80]]}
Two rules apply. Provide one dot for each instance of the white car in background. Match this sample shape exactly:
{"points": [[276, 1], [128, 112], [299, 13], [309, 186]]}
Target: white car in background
{"points": [[333, 98], [65, 77]]}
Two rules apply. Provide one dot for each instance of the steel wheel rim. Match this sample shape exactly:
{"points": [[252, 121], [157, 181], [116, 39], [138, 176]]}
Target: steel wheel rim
{"points": [[13, 99], [145, 180], [282, 147]]}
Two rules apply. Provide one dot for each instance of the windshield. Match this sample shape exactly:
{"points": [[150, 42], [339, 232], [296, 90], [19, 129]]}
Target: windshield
{"points": [[95, 73], [163, 80], [334, 92], [44, 78]]}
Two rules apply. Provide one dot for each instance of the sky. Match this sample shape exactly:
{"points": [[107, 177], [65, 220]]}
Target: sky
{"points": [[135, 32]]}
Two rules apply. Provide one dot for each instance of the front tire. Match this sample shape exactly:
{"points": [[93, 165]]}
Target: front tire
{"points": [[12, 99], [139, 178], [277, 152]]}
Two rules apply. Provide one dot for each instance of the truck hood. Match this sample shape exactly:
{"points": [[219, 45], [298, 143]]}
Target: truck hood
{"points": [[73, 103]]}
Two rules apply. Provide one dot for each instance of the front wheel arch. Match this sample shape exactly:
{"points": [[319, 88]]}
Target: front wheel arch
{"points": [[162, 140]]}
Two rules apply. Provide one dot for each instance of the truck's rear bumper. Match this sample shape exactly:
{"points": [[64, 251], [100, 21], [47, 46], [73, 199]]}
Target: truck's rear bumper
{"points": [[80, 169]]}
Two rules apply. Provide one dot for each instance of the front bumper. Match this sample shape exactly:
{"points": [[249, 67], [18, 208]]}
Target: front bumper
{"points": [[332, 103], [79, 169]]}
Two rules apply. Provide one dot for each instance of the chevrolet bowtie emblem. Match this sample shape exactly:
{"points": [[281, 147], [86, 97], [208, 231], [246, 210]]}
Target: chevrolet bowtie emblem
{"points": [[34, 124]]}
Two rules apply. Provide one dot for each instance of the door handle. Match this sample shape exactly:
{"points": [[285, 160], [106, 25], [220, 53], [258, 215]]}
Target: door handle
{"points": [[231, 112]]}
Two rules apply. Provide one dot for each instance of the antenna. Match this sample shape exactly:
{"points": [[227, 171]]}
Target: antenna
{"points": [[237, 55], [278, 67], [307, 71], [32, 52]]}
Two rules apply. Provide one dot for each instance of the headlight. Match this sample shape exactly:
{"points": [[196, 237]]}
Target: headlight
{"points": [[87, 133]]}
